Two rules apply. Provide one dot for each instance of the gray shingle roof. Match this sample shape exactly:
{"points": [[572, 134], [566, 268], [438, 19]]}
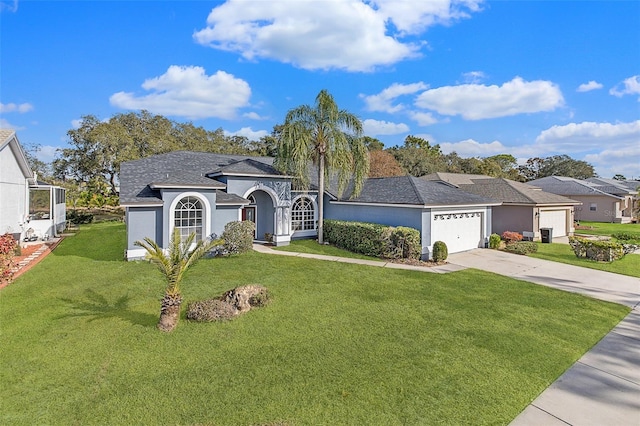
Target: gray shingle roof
{"points": [[618, 187], [502, 190], [413, 191], [567, 186], [178, 168], [249, 166]]}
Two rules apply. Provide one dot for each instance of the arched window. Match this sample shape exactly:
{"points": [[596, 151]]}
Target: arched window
{"points": [[188, 217], [303, 215]]}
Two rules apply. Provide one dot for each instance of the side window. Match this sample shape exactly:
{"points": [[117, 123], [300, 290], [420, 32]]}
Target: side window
{"points": [[188, 217], [593, 207], [303, 215]]}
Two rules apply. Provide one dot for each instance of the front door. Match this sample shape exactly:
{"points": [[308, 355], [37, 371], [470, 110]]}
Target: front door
{"points": [[249, 213]]}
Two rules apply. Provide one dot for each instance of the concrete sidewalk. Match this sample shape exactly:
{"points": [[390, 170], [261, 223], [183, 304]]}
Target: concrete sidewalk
{"points": [[603, 387]]}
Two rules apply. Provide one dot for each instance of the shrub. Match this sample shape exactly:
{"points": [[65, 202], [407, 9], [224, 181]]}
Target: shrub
{"points": [[238, 237], [626, 236], [494, 241], [373, 239], [7, 253], [440, 251], [522, 247], [79, 218], [601, 251], [511, 237]]}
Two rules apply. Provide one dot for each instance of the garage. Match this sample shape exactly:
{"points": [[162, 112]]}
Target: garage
{"points": [[556, 219], [459, 231]]}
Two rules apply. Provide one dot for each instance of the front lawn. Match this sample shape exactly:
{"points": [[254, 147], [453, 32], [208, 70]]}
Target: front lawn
{"points": [[339, 344], [628, 265], [600, 228]]}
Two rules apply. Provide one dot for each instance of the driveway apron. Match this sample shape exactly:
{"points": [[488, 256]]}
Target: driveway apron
{"points": [[602, 387]]}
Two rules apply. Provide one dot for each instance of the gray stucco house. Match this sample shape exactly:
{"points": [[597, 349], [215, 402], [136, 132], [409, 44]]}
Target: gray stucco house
{"points": [[523, 208], [201, 192]]}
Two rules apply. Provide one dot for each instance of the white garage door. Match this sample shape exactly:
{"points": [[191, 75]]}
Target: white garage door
{"points": [[460, 231], [556, 219]]}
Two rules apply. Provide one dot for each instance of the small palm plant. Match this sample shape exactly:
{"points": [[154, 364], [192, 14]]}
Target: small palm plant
{"points": [[173, 265]]}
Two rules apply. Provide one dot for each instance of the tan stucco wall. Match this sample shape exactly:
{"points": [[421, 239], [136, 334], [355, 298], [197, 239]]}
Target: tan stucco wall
{"points": [[512, 218], [607, 209]]}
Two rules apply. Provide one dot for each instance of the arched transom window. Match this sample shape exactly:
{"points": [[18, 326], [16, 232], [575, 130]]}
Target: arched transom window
{"points": [[302, 215], [188, 217]]}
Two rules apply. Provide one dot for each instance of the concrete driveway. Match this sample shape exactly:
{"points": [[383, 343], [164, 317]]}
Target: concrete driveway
{"points": [[603, 387]]}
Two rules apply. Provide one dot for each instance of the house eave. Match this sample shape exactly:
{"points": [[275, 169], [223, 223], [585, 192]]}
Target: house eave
{"points": [[415, 206], [251, 175], [161, 185], [144, 204]]}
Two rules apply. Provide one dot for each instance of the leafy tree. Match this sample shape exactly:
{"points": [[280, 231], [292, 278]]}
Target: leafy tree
{"points": [[501, 165], [557, 165], [173, 265], [418, 157], [330, 139], [383, 164], [619, 177], [373, 144]]}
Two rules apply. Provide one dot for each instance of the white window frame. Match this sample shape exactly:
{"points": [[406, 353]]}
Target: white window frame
{"points": [[206, 213], [304, 215]]}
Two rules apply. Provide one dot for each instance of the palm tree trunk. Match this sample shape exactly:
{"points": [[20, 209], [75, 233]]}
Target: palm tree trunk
{"points": [[321, 198], [169, 312]]}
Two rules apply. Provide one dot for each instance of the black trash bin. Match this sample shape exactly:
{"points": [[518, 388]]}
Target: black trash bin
{"points": [[546, 235]]}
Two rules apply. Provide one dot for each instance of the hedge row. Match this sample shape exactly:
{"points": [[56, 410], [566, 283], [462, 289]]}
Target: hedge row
{"points": [[372, 239]]}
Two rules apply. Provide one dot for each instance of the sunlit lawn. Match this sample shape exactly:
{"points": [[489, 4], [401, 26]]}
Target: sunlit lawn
{"points": [[339, 344], [312, 247], [600, 228], [628, 265]]}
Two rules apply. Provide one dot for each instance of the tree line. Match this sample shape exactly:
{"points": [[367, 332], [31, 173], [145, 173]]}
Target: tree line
{"points": [[89, 168]]}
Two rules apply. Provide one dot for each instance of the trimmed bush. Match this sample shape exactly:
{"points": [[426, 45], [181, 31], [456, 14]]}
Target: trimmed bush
{"points": [[601, 251], [372, 239], [494, 241], [440, 251], [511, 237], [238, 237], [522, 247], [627, 236], [79, 218]]}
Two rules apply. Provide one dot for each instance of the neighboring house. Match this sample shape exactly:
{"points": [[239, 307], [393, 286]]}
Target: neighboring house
{"points": [[523, 208], [27, 207], [601, 201], [626, 188], [202, 192]]}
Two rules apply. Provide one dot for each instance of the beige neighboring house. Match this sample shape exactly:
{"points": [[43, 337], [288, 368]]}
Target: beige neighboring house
{"points": [[602, 200], [524, 208], [28, 208]]}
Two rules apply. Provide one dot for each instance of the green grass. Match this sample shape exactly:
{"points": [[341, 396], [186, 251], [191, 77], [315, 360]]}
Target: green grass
{"points": [[600, 228], [339, 344], [628, 265], [312, 247]]}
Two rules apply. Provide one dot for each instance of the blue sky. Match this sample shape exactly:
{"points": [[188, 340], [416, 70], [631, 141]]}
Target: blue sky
{"points": [[527, 78]]}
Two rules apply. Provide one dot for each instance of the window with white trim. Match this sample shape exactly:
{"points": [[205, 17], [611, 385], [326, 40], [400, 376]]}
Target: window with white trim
{"points": [[188, 216], [303, 215], [593, 207]]}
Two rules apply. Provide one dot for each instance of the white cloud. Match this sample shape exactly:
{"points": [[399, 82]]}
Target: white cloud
{"points": [[11, 107], [473, 77], [4, 124], [189, 92], [587, 87], [76, 123], [586, 136], [248, 133], [476, 102], [612, 161], [9, 6], [383, 101], [376, 127], [630, 86], [47, 153], [412, 17], [423, 118], [352, 35], [253, 116], [472, 148]]}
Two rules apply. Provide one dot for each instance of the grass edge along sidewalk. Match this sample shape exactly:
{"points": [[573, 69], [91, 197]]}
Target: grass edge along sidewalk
{"points": [[339, 344]]}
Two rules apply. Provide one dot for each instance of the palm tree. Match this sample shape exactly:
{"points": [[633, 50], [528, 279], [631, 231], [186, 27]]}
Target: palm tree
{"points": [[331, 140], [173, 265]]}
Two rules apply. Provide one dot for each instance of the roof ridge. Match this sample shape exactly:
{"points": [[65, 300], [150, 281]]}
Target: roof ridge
{"points": [[415, 188]]}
